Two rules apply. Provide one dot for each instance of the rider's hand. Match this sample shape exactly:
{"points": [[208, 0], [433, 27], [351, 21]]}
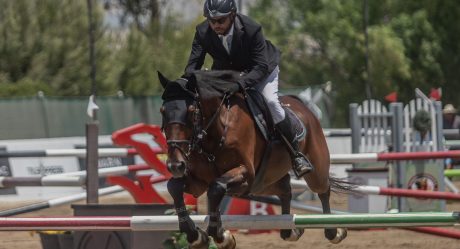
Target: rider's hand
{"points": [[233, 89]]}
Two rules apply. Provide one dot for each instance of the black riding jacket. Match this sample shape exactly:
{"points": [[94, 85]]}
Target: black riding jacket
{"points": [[250, 52]]}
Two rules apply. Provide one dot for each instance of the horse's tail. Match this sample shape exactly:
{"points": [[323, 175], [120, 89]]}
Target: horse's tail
{"points": [[343, 185]]}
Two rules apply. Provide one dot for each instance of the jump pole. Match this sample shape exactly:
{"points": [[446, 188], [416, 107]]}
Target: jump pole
{"points": [[69, 199], [375, 190], [118, 170], [408, 193], [170, 223], [57, 202], [393, 156], [452, 172], [450, 233], [77, 178], [80, 153]]}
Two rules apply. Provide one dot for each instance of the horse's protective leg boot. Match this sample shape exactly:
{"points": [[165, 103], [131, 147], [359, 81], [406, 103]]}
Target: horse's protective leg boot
{"points": [[186, 224], [222, 238], [300, 163]]}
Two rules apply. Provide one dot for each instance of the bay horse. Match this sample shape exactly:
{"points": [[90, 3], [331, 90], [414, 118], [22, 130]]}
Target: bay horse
{"points": [[214, 146]]}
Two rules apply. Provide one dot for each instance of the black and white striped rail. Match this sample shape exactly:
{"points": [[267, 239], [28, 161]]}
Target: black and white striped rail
{"points": [[77, 178], [80, 153]]}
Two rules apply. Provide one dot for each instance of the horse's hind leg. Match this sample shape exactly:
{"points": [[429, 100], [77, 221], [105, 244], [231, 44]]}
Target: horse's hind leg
{"points": [[195, 236], [223, 238], [285, 198], [334, 235]]}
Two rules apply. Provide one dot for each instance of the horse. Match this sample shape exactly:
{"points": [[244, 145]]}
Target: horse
{"points": [[215, 146]]}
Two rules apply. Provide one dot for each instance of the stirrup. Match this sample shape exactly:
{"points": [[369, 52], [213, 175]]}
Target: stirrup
{"points": [[301, 165]]}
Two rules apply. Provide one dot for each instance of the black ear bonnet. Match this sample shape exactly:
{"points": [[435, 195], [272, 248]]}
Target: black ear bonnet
{"points": [[177, 97]]}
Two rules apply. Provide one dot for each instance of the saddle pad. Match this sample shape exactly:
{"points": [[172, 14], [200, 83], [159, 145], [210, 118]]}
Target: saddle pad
{"points": [[259, 111], [301, 132]]}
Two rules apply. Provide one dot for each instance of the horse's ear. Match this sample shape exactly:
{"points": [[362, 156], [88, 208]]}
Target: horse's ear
{"points": [[163, 80]]}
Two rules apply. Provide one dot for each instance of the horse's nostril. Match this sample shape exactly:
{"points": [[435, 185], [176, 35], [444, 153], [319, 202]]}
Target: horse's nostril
{"points": [[181, 166], [177, 168]]}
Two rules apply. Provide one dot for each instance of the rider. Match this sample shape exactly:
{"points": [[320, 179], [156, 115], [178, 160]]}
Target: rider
{"points": [[235, 42]]}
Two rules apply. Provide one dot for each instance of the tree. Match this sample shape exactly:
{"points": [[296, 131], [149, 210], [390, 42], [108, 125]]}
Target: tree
{"points": [[324, 41], [46, 42], [145, 13]]}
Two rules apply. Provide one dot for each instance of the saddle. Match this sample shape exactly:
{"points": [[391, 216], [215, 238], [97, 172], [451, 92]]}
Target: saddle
{"points": [[264, 121], [259, 110]]}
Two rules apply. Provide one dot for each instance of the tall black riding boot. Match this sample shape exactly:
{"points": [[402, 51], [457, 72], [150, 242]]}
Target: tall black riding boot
{"points": [[300, 163]]}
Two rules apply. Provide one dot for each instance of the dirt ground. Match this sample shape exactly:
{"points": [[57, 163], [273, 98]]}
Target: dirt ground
{"points": [[357, 239]]}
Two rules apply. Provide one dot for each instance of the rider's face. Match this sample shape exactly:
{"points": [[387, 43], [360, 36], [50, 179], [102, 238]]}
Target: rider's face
{"points": [[221, 25]]}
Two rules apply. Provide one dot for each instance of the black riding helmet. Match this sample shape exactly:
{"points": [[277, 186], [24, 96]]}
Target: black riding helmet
{"points": [[216, 8]]}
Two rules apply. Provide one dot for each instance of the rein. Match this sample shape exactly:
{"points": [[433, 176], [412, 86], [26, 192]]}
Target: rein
{"points": [[201, 133]]}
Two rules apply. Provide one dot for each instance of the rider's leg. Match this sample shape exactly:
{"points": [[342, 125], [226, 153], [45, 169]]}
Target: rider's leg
{"points": [[269, 89]]}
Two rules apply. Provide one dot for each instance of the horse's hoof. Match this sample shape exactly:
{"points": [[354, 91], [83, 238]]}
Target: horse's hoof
{"points": [[341, 235], [291, 235], [202, 242], [229, 241]]}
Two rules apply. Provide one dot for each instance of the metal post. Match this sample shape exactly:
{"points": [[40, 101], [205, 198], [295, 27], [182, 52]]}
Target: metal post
{"points": [[397, 136], [440, 135], [92, 161], [355, 126], [92, 127], [437, 106]]}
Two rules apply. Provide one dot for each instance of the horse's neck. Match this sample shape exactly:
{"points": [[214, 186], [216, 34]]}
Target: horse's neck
{"points": [[210, 110], [209, 107]]}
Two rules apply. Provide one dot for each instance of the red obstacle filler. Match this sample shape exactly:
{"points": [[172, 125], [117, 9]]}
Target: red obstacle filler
{"points": [[124, 137], [143, 191]]}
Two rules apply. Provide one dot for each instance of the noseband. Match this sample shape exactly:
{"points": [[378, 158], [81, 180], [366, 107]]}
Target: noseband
{"points": [[175, 144]]}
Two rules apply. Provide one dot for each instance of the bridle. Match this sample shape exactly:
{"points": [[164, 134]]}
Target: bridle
{"points": [[175, 144], [199, 133]]}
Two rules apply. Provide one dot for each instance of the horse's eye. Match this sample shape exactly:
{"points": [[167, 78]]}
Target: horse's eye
{"points": [[162, 109], [191, 108]]}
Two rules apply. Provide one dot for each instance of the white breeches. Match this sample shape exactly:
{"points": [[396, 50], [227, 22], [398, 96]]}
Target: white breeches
{"points": [[269, 89]]}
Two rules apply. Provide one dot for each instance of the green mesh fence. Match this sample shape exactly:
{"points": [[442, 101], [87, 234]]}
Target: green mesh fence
{"points": [[42, 117], [64, 116]]}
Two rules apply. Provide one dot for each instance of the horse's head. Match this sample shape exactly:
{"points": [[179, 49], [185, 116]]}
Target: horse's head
{"points": [[178, 111], [182, 120]]}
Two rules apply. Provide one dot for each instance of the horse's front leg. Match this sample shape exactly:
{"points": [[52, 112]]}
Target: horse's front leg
{"points": [[195, 236], [233, 181]]}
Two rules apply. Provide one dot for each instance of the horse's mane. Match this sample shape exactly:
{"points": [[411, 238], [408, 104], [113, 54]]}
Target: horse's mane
{"points": [[214, 83]]}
